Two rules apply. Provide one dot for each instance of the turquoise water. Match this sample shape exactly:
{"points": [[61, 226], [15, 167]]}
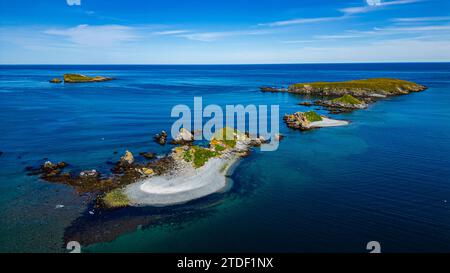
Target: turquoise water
{"points": [[385, 177]]}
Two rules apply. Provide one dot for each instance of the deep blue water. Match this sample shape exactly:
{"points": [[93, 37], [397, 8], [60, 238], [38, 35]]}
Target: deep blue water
{"points": [[385, 177]]}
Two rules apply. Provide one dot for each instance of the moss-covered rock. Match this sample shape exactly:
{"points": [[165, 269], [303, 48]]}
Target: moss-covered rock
{"points": [[115, 199]]}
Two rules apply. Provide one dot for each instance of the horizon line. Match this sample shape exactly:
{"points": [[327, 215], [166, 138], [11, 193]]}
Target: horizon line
{"points": [[199, 64]]}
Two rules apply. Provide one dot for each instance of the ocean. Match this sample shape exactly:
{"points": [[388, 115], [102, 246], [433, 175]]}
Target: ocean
{"points": [[385, 177]]}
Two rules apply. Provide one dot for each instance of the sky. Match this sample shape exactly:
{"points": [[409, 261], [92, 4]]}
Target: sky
{"points": [[223, 31]]}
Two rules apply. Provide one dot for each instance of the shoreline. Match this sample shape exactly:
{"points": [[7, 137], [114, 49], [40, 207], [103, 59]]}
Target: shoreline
{"points": [[186, 185], [186, 181]]}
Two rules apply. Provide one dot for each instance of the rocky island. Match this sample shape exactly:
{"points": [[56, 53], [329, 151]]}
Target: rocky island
{"points": [[310, 120], [343, 97], [77, 78], [374, 87], [188, 172]]}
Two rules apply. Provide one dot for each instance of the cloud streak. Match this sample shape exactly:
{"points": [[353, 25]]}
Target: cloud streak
{"points": [[369, 8], [102, 35], [299, 21], [214, 36]]}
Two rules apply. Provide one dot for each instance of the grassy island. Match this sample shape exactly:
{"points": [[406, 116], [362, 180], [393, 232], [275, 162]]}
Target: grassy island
{"points": [[77, 78], [358, 88]]}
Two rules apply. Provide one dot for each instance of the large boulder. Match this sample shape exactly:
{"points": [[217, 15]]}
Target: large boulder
{"points": [[184, 136]]}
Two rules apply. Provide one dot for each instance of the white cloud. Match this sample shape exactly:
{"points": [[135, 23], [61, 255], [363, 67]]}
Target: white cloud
{"points": [[213, 36], [170, 32], [347, 12], [299, 21], [415, 28], [422, 19], [73, 2], [102, 35]]}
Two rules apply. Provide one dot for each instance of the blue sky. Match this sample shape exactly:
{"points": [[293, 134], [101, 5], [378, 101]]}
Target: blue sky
{"points": [[223, 31]]}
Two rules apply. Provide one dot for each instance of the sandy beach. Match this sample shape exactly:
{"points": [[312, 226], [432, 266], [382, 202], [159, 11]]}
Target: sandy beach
{"points": [[186, 184], [327, 122]]}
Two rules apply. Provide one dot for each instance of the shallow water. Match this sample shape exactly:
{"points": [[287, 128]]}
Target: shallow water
{"points": [[385, 177]]}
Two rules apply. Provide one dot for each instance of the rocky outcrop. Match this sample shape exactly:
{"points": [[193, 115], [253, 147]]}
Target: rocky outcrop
{"points": [[345, 103], [310, 120], [297, 120], [183, 137], [161, 138], [77, 78], [47, 170], [127, 158], [272, 89]]}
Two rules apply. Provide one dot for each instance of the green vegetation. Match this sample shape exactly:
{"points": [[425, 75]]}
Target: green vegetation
{"points": [[187, 156], [388, 85], [312, 116], [227, 136], [116, 199], [202, 155], [219, 148], [348, 99]]}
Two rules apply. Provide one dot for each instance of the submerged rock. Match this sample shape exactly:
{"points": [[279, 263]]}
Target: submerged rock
{"points": [[272, 89], [89, 174], [148, 155], [305, 103]]}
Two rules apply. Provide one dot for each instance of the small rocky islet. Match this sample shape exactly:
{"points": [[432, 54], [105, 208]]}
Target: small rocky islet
{"points": [[78, 78], [343, 97]]}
